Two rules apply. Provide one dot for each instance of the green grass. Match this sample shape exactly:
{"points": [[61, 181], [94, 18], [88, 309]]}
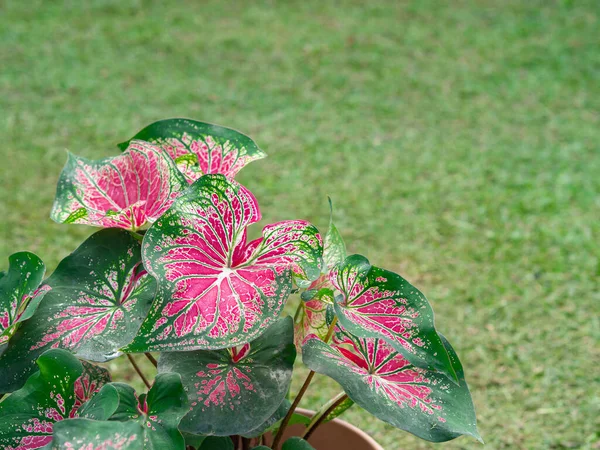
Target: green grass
{"points": [[458, 140]]}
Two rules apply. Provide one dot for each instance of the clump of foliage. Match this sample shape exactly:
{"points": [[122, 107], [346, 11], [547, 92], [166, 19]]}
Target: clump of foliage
{"points": [[172, 271]]}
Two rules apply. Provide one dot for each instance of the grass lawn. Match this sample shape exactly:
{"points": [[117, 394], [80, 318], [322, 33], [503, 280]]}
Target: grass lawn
{"points": [[459, 141]]}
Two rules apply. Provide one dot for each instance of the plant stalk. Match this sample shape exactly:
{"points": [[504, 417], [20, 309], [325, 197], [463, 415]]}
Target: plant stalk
{"points": [[137, 369], [301, 393], [321, 415], [152, 359], [245, 443]]}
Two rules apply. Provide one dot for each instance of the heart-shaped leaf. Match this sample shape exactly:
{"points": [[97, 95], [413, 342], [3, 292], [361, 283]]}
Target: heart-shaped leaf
{"points": [[147, 422], [200, 148], [215, 290], [376, 303], [233, 391], [124, 191], [383, 382], [49, 396], [100, 295], [19, 293]]}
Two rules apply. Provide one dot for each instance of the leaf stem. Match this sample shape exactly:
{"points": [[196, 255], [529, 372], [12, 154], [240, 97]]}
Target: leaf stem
{"points": [[152, 359], [301, 393], [137, 369], [245, 443], [321, 415]]}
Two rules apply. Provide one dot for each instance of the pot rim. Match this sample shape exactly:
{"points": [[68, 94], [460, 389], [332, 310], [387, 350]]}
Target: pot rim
{"points": [[348, 426]]}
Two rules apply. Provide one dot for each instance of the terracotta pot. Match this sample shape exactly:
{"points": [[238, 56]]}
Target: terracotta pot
{"points": [[334, 435]]}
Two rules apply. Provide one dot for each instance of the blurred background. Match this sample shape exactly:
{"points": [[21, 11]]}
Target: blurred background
{"points": [[458, 140]]}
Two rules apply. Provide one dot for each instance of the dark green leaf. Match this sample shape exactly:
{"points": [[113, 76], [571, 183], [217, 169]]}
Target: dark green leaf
{"points": [[296, 443], [49, 396], [276, 417], [102, 405], [233, 391], [217, 443], [99, 296], [200, 148], [158, 413], [193, 440], [383, 382]]}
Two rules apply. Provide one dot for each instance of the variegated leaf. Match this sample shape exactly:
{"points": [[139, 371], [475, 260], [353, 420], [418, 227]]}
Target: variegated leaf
{"points": [[200, 148], [19, 293], [233, 391], [49, 396], [311, 314], [126, 191], [100, 295], [90, 382], [215, 290], [383, 382], [86, 434], [145, 422], [378, 303], [153, 419], [311, 317]]}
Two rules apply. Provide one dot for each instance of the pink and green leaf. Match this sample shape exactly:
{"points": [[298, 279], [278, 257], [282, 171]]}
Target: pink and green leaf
{"points": [[99, 296], [247, 383], [200, 148], [383, 382], [144, 422], [215, 290], [19, 292], [49, 396], [125, 191], [376, 303]]}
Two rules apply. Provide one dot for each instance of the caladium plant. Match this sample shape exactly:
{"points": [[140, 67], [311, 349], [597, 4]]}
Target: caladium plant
{"points": [[172, 271]]}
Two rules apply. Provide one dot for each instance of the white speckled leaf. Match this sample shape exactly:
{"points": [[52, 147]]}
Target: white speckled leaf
{"points": [[147, 422], [215, 290], [124, 191], [51, 395], [200, 148], [377, 303], [383, 382], [99, 296], [233, 391], [19, 293]]}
